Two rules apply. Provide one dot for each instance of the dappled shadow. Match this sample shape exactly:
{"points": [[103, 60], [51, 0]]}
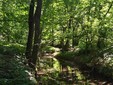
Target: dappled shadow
{"points": [[61, 72]]}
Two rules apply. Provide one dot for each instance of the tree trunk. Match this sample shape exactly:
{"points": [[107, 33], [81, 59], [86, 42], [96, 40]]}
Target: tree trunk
{"points": [[37, 36], [62, 39], [31, 31], [68, 37], [75, 37], [52, 32]]}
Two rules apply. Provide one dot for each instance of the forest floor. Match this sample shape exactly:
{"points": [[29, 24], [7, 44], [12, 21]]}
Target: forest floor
{"points": [[91, 77], [13, 72]]}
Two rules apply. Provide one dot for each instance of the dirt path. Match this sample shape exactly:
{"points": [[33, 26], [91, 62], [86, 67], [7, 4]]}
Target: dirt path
{"points": [[91, 77]]}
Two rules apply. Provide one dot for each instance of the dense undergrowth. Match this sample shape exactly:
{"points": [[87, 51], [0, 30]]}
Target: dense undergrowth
{"points": [[13, 70], [11, 48]]}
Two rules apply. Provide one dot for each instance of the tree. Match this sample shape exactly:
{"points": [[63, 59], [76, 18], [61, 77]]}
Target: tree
{"points": [[31, 31], [37, 35], [13, 23]]}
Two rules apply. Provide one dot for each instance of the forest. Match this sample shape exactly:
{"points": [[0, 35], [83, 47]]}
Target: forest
{"points": [[56, 42]]}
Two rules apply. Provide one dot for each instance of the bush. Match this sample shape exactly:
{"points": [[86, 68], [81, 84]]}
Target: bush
{"points": [[11, 49], [66, 55], [50, 49]]}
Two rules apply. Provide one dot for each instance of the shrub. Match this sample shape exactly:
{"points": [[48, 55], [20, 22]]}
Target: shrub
{"points": [[66, 55], [11, 49]]}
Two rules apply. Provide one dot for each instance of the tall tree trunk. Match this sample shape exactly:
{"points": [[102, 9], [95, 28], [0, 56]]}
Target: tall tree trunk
{"points": [[31, 31], [69, 28], [52, 32], [62, 39], [37, 37], [75, 37]]}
